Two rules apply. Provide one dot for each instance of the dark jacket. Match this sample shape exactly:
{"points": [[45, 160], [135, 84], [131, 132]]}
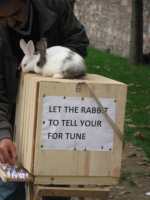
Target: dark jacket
{"points": [[53, 19]]}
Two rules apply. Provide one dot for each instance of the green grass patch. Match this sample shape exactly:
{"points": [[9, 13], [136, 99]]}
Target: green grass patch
{"points": [[137, 77]]}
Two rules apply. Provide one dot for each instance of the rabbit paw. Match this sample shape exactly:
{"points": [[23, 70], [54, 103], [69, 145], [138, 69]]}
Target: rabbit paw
{"points": [[37, 70], [25, 69], [58, 76]]}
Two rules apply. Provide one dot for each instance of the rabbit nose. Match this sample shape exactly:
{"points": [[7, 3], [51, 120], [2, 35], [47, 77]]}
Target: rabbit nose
{"points": [[19, 67]]}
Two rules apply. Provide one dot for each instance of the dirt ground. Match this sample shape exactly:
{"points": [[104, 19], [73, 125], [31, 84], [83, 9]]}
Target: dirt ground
{"points": [[135, 179]]}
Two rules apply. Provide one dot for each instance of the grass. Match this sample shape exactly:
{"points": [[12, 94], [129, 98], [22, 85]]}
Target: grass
{"points": [[137, 121]]}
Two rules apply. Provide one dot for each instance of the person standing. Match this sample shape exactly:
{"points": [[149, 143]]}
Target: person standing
{"points": [[30, 20]]}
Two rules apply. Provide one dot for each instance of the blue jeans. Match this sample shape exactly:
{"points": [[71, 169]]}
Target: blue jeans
{"points": [[12, 191], [16, 191]]}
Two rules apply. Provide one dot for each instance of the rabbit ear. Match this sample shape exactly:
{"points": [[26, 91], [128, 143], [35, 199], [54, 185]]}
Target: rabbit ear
{"points": [[41, 45], [23, 46], [30, 47]]}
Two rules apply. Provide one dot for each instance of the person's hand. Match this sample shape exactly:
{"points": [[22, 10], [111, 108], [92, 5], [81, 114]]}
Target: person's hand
{"points": [[7, 151]]}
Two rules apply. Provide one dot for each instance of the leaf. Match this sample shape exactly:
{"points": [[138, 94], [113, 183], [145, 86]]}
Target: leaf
{"points": [[131, 125], [147, 107], [139, 135], [131, 84], [132, 155], [147, 194]]}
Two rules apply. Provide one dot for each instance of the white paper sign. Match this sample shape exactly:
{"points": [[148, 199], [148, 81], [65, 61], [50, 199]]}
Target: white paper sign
{"points": [[75, 123]]}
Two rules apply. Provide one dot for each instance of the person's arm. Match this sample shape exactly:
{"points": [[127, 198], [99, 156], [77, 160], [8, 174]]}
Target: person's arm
{"points": [[7, 148], [72, 32], [5, 126]]}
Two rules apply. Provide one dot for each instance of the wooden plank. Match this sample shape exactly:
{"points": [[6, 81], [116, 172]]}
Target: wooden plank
{"points": [[90, 78], [29, 191], [20, 119], [17, 126], [120, 115], [56, 180], [30, 127], [32, 124], [101, 193], [25, 121], [26, 116]]}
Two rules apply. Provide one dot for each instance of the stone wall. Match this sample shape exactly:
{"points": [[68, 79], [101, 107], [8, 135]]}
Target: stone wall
{"points": [[108, 23], [146, 26]]}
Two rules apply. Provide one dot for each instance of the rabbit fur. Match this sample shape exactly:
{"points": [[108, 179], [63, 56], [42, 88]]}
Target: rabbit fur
{"points": [[56, 61]]}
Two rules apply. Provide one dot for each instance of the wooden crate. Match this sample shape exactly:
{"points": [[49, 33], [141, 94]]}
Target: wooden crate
{"points": [[67, 166]]}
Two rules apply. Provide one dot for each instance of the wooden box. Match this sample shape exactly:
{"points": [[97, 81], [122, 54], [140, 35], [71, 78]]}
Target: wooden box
{"points": [[62, 135]]}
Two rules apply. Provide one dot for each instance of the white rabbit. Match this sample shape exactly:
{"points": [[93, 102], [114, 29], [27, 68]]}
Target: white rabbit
{"points": [[56, 61]]}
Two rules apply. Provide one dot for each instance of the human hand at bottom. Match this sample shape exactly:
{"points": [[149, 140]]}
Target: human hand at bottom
{"points": [[8, 153]]}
